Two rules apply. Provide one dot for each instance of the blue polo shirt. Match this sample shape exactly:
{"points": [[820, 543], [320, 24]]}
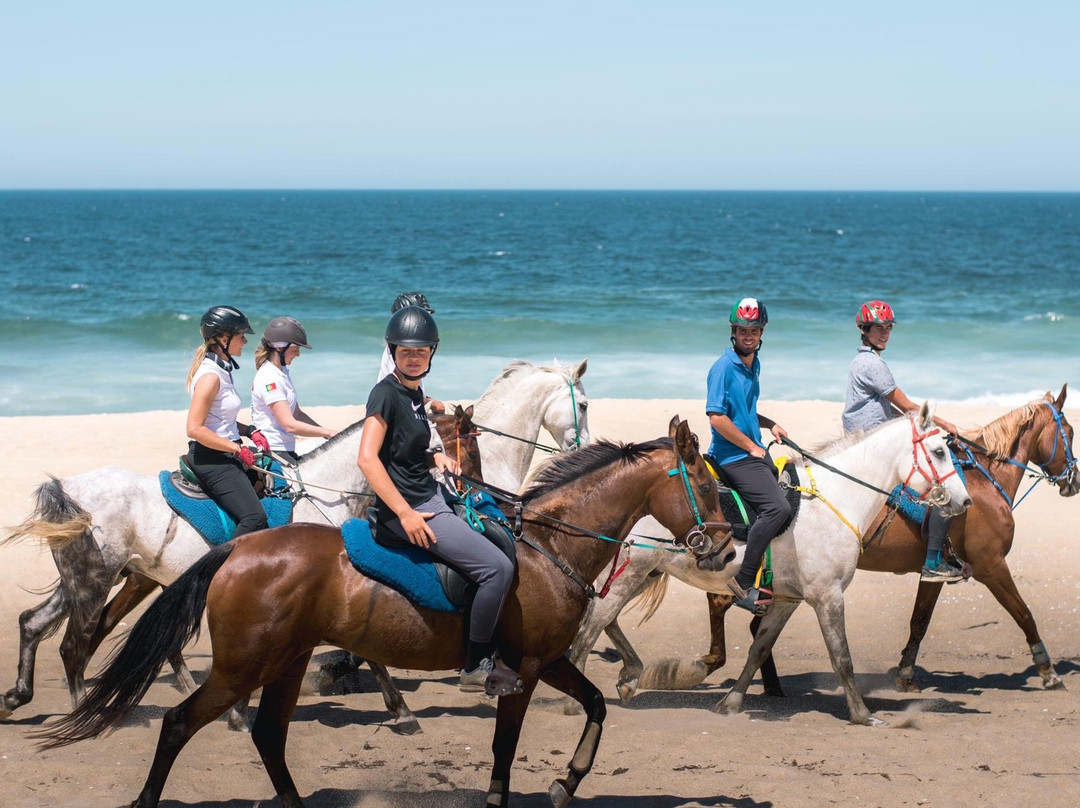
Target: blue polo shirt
{"points": [[733, 391]]}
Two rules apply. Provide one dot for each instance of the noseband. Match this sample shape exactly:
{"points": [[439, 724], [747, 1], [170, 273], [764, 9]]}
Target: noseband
{"points": [[696, 539]]}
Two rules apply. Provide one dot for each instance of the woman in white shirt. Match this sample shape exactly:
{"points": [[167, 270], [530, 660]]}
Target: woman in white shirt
{"points": [[274, 409], [215, 452]]}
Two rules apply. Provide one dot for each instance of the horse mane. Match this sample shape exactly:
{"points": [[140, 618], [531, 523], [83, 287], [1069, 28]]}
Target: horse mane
{"points": [[332, 442], [837, 445], [518, 365], [1000, 435], [571, 466]]}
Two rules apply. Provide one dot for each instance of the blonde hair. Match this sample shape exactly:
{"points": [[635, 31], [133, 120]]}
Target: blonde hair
{"points": [[262, 353], [199, 356]]}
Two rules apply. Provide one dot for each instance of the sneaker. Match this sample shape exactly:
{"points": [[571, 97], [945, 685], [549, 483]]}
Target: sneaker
{"points": [[473, 681], [753, 600], [942, 572]]}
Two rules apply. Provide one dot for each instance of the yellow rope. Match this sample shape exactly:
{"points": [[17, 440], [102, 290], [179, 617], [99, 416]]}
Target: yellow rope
{"points": [[814, 492]]}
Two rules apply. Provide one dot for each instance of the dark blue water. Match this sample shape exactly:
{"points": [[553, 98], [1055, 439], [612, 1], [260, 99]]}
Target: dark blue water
{"points": [[102, 291]]}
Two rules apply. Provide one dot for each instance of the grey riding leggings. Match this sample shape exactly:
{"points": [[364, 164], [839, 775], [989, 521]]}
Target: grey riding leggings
{"points": [[471, 554]]}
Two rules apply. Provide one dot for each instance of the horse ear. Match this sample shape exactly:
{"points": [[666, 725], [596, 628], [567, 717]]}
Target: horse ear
{"points": [[925, 417], [685, 443], [469, 411], [459, 413], [579, 371], [1060, 401], [673, 425]]}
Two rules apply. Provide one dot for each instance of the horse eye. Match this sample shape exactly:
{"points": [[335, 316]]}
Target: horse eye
{"points": [[706, 488], [584, 405], [939, 454]]}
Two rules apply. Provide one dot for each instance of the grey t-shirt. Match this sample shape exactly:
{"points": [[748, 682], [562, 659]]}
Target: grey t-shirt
{"points": [[866, 402]]}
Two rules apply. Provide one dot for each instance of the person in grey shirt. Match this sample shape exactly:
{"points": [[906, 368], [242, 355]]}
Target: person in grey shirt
{"points": [[873, 397]]}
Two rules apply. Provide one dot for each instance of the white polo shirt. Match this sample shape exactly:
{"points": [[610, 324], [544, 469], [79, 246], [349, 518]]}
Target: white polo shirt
{"points": [[221, 419], [272, 384]]}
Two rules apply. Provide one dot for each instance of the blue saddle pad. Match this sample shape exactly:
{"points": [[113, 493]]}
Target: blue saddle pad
{"points": [[212, 523], [907, 501], [407, 569]]}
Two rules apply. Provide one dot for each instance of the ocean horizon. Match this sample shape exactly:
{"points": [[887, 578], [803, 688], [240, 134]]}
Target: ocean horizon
{"points": [[103, 290]]}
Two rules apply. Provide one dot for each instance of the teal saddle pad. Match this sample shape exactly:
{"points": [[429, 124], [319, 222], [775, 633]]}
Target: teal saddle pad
{"points": [[908, 502], [414, 572], [212, 523]]}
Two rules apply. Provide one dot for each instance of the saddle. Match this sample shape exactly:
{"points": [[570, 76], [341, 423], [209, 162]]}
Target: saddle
{"points": [[184, 494], [416, 574], [739, 513]]}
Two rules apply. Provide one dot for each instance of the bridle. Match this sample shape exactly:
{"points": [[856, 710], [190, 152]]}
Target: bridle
{"points": [[576, 444], [696, 539], [935, 493]]}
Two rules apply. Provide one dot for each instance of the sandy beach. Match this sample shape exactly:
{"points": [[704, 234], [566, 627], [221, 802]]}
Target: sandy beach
{"points": [[983, 731]]}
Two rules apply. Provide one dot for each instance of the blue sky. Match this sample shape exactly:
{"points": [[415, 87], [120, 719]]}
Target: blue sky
{"points": [[701, 95]]}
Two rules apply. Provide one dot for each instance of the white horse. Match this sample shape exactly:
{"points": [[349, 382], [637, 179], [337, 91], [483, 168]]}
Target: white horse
{"points": [[518, 402], [813, 560], [111, 521]]}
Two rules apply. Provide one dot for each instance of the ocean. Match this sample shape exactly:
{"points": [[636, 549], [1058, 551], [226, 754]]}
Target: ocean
{"points": [[102, 290]]}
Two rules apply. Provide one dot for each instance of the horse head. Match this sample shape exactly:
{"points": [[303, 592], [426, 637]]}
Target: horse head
{"points": [[459, 439], [565, 408], [929, 470], [687, 500], [1053, 448]]}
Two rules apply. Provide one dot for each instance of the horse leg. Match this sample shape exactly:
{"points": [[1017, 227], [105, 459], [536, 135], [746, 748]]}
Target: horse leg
{"points": [[271, 728], [771, 626], [564, 677], [508, 719], [998, 579], [717, 656], [34, 625], [770, 679], [404, 722], [925, 600], [178, 726], [830, 614], [632, 666]]}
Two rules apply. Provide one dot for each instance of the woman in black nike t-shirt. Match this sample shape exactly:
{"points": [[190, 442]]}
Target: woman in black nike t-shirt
{"points": [[395, 459]]}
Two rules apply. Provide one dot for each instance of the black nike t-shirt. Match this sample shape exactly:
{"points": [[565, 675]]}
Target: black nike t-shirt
{"points": [[404, 450]]}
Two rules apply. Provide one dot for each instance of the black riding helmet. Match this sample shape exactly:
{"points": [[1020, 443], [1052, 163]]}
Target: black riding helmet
{"points": [[411, 299], [412, 327], [224, 321]]}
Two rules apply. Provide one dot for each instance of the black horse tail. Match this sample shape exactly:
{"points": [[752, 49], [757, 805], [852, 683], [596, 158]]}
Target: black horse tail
{"points": [[170, 623]]}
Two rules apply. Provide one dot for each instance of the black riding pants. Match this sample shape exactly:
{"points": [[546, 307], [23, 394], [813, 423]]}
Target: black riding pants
{"points": [[224, 479], [756, 483]]}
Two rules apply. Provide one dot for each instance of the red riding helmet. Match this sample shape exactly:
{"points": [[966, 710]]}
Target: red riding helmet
{"points": [[875, 312], [749, 312]]}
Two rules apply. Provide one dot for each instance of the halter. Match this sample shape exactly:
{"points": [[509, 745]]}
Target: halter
{"points": [[936, 493], [695, 539]]}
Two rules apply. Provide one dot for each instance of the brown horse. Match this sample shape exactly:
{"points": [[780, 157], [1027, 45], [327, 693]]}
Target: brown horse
{"points": [[1036, 433], [271, 597]]}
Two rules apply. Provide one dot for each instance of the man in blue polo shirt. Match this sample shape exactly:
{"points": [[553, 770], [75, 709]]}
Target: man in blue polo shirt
{"points": [[736, 444]]}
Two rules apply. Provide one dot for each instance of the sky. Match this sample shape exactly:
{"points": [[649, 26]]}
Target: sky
{"points": [[585, 94]]}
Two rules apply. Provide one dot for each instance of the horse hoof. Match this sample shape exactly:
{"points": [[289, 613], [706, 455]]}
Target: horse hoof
{"points": [[874, 721], [406, 726], [1054, 682], [558, 794], [907, 685], [237, 723], [626, 692], [571, 707], [729, 705], [4, 711]]}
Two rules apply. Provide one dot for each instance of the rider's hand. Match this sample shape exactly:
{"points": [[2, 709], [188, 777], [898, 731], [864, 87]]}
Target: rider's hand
{"points": [[246, 456], [260, 441], [414, 525], [778, 432], [444, 463], [436, 407], [757, 451]]}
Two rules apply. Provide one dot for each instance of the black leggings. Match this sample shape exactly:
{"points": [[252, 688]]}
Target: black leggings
{"points": [[224, 479], [756, 483]]}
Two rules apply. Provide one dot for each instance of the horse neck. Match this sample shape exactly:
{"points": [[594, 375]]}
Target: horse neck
{"points": [[335, 468], [608, 502], [872, 461], [517, 407], [1010, 476]]}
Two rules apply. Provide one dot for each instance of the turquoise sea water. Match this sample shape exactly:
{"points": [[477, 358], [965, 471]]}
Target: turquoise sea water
{"points": [[101, 292]]}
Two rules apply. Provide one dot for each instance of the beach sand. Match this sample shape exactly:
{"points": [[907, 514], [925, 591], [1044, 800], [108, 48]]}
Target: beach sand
{"points": [[982, 732]]}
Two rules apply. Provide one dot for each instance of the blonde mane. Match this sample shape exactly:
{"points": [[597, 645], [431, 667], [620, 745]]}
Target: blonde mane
{"points": [[1000, 435]]}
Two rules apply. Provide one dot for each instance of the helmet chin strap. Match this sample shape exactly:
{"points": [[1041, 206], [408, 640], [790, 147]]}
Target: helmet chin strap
{"points": [[224, 346], [742, 352]]}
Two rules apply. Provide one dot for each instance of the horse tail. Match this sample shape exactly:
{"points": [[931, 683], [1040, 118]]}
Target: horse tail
{"points": [[650, 598], [57, 519], [170, 623]]}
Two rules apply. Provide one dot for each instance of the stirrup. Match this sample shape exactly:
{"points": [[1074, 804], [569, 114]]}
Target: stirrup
{"points": [[755, 599], [503, 680]]}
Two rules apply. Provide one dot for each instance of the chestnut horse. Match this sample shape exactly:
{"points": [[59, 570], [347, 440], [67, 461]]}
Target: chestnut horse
{"points": [[271, 597], [1036, 433]]}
